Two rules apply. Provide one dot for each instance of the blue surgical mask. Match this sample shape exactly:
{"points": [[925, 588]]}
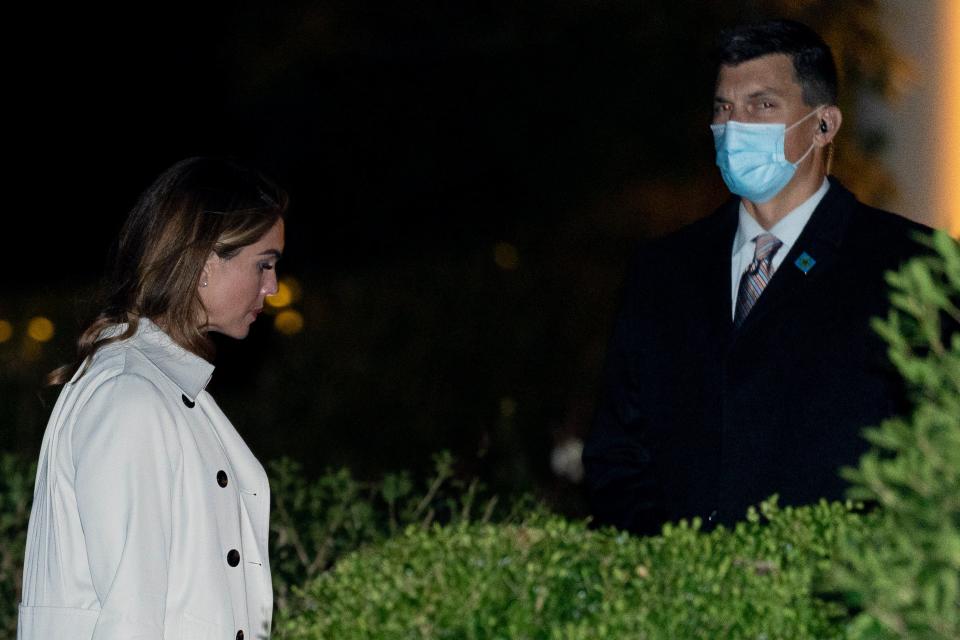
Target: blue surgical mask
{"points": [[751, 158]]}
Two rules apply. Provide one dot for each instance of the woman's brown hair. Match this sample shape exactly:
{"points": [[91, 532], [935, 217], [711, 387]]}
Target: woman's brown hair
{"points": [[196, 207]]}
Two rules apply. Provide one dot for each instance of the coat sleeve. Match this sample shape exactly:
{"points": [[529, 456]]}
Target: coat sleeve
{"points": [[622, 488], [126, 457]]}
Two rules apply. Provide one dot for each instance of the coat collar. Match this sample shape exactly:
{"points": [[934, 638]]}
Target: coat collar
{"points": [[188, 371]]}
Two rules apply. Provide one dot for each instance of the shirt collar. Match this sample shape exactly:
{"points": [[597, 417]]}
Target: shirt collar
{"points": [[789, 227], [188, 371]]}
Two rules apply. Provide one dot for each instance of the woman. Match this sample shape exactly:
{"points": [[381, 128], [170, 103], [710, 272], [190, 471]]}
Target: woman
{"points": [[150, 513]]}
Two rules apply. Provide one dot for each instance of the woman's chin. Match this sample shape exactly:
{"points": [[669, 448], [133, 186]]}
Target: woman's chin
{"points": [[237, 333]]}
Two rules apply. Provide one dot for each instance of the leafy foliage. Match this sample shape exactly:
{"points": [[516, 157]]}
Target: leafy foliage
{"points": [[905, 576], [16, 496], [314, 523], [552, 578]]}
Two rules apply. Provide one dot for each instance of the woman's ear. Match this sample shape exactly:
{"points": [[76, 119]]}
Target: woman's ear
{"points": [[209, 268]]}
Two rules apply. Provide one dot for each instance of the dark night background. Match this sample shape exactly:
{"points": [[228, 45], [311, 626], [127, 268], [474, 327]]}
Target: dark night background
{"points": [[467, 181]]}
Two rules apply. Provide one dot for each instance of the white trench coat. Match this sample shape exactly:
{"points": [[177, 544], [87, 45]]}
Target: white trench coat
{"points": [[150, 514]]}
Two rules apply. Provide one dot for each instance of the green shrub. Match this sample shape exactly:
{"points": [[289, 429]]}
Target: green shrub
{"points": [[553, 578], [16, 496], [313, 523], [905, 576]]}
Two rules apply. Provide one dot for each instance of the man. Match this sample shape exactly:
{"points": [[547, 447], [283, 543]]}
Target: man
{"points": [[742, 362]]}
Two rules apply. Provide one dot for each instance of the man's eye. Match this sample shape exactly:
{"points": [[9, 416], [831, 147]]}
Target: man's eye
{"points": [[265, 266]]}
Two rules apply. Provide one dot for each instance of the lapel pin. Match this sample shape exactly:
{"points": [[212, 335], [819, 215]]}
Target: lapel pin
{"points": [[805, 262]]}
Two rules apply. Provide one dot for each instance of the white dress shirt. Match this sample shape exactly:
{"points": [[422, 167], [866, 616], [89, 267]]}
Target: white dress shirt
{"points": [[786, 231]]}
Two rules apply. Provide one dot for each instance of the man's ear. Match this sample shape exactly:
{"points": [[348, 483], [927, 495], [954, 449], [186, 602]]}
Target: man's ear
{"points": [[827, 126]]}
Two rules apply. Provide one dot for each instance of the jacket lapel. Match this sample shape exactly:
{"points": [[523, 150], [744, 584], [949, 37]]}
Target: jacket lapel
{"points": [[811, 258], [713, 303]]}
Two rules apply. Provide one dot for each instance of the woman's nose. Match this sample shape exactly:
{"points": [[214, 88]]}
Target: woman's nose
{"points": [[270, 286]]}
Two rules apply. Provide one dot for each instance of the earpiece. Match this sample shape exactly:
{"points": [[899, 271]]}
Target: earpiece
{"points": [[823, 126]]}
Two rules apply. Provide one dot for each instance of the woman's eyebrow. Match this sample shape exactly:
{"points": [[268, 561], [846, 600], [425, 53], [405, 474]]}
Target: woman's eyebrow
{"points": [[271, 252]]}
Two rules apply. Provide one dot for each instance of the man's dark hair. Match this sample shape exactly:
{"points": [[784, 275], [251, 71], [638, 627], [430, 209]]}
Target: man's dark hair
{"points": [[813, 62]]}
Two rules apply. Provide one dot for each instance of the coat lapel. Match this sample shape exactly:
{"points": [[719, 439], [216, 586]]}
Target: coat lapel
{"points": [[819, 243], [713, 302]]}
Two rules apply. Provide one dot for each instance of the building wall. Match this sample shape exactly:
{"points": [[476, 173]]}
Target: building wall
{"points": [[922, 126]]}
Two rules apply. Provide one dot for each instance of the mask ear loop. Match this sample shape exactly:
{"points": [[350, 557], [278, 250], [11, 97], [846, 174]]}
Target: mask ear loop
{"points": [[803, 157], [812, 145], [816, 110]]}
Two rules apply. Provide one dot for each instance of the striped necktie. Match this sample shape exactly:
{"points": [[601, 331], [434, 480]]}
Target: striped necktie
{"points": [[757, 275]]}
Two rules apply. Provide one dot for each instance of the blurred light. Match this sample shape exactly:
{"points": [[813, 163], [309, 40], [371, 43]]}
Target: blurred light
{"points": [[506, 256], [508, 407], [40, 329], [282, 298], [566, 460], [6, 330], [948, 180], [289, 322], [294, 286]]}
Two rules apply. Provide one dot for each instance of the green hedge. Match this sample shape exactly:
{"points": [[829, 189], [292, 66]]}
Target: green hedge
{"points": [[557, 579], [16, 496], [315, 522]]}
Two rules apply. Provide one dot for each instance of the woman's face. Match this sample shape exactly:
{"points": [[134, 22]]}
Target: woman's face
{"points": [[235, 288]]}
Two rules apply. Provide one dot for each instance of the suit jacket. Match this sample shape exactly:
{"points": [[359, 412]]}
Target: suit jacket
{"points": [[149, 516], [697, 418]]}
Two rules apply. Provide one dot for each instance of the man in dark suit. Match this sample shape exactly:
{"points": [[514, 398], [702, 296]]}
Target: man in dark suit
{"points": [[742, 362]]}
